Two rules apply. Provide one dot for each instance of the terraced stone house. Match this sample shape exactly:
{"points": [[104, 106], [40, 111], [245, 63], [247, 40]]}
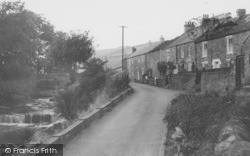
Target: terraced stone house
{"points": [[227, 44]]}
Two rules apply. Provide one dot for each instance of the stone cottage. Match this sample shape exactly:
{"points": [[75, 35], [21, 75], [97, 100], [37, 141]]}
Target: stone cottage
{"points": [[136, 62], [156, 55], [226, 44], [182, 50]]}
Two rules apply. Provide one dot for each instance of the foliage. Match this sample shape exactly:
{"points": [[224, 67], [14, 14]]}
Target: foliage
{"points": [[23, 36], [17, 136], [75, 99], [170, 67], [116, 82], [195, 113], [162, 67], [66, 104], [14, 71], [165, 67], [47, 84], [70, 50]]}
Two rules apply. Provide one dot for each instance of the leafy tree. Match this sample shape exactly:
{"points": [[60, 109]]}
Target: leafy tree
{"points": [[71, 50], [94, 75], [73, 100], [24, 35]]}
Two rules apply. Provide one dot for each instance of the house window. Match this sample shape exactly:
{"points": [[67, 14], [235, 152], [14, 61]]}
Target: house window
{"points": [[168, 54], [189, 51], [182, 54], [229, 44], [204, 49]]}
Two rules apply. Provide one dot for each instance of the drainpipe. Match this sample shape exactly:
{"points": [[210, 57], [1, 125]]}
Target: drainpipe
{"points": [[146, 64], [176, 59], [195, 57]]}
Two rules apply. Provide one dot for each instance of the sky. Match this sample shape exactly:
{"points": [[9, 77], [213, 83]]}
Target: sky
{"points": [[146, 20]]}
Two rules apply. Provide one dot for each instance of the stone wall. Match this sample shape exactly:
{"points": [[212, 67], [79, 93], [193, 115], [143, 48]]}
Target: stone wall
{"points": [[219, 80], [184, 81], [72, 131]]}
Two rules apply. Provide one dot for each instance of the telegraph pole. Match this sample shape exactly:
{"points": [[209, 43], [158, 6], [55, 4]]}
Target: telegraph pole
{"points": [[123, 45]]}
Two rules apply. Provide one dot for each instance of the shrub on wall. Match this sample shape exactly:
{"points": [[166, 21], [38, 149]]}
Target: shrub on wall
{"points": [[195, 113], [116, 82], [162, 67], [76, 98]]}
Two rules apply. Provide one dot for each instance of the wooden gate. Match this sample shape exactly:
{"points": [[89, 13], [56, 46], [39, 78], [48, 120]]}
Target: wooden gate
{"points": [[239, 71]]}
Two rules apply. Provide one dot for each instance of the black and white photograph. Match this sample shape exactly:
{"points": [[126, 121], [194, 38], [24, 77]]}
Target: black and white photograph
{"points": [[124, 78]]}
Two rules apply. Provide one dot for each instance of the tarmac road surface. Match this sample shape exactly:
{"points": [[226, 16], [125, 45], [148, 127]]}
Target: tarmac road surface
{"points": [[133, 128]]}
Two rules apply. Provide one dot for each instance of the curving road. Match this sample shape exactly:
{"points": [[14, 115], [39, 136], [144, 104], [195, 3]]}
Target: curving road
{"points": [[133, 128]]}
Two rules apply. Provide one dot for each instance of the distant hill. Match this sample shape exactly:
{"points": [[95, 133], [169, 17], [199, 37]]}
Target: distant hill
{"points": [[114, 56]]}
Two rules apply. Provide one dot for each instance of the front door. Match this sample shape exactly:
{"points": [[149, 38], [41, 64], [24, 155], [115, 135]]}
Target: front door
{"points": [[239, 71]]}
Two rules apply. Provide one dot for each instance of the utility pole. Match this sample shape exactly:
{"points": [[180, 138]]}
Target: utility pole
{"points": [[123, 45]]}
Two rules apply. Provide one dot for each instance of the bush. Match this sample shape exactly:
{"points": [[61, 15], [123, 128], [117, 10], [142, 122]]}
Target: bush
{"points": [[17, 136], [116, 82], [14, 71], [195, 113], [15, 91], [66, 104], [47, 84], [74, 99]]}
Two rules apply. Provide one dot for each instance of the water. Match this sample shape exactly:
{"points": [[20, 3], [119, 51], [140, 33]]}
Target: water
{"points": [[42, 112], [32, 118]]}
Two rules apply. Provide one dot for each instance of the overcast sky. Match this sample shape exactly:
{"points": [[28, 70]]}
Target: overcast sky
{"points": [[145, 19]]}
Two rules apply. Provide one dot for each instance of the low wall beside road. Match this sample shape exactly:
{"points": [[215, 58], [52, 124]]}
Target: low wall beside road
{"points": [[73, 130]]}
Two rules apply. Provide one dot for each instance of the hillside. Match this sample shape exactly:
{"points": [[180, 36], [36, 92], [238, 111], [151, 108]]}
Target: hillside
{"points": [[113, 56]]}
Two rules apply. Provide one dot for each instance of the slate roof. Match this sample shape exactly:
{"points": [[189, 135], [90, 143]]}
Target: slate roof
{"points": [[162, 45], [145, 48], [229, 27], [185, 38]]}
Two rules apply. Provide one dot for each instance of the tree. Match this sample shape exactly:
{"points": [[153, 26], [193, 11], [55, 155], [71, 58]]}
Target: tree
{"points": [[71, 50], [73, 100], [24, 35]]}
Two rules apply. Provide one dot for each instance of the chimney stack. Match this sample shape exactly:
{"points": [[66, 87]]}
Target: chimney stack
{"points": [[241, 12], [188, 26], [162, 39], [133, 49]]}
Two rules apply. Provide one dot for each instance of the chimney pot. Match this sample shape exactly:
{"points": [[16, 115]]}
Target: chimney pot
{"points": [[188, 26], [162, 39], [241, 12], [133, 49]]}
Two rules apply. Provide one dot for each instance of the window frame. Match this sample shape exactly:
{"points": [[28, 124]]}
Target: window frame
{"points": [[182, 54], [204, 51], [229, 46], [189, 51]]}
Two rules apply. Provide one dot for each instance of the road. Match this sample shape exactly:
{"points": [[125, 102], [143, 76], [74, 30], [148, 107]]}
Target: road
{"points": [[133, 128]]}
